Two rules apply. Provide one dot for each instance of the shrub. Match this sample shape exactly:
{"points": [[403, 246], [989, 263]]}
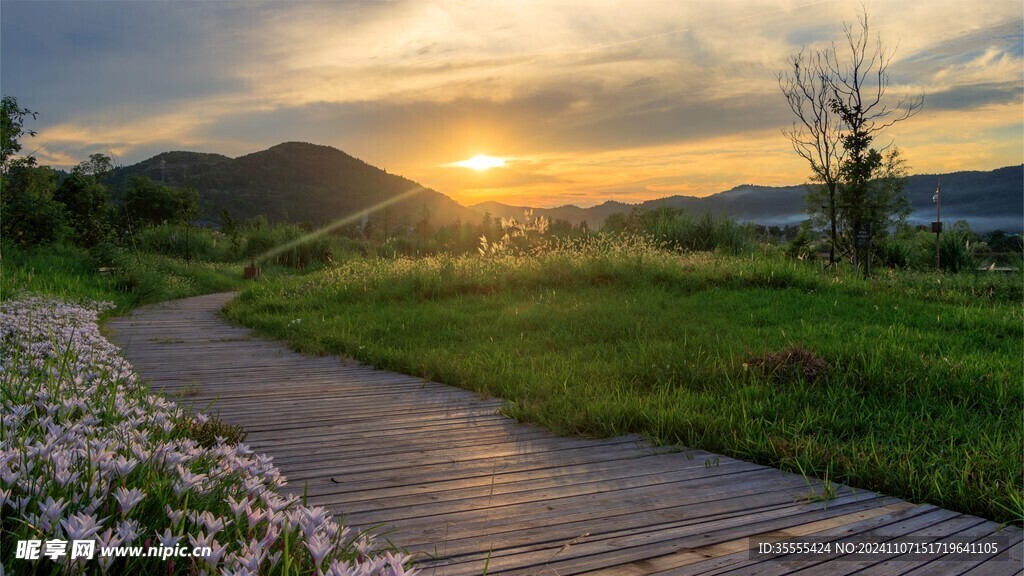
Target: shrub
{"points": [[173, 240]]}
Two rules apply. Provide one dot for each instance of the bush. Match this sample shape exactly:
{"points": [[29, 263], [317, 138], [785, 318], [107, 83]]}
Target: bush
{"points": [[679, 229], [195, 244], [955, 253], [896, 252], [284, 244]]}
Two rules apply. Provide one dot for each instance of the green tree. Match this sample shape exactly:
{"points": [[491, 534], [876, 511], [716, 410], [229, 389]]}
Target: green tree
{"points": [[28, 213], [186, 209], [424, 229], [29, 216], [229, 226], [88, 201], [97, 166], [12, 128], [147, 203]]}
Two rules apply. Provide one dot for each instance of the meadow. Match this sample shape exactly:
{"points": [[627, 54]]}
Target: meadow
{"points": [[905, 383]]}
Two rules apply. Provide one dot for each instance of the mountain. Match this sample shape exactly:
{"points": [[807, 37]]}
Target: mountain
{"points": [[296, 181], [317, 185], [987, 200]]}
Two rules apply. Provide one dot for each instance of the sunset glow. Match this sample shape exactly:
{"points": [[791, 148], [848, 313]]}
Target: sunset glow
{"points": [[666, 98], [481, 162]]}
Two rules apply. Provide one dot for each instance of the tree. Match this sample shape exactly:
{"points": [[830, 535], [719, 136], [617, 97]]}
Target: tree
{"points": [[229, 226], [816, 135], [12, 128], [424, 230], [97, 166], [87, 202], [841, 107], [186, 208], [30, 215], [147, 203]]}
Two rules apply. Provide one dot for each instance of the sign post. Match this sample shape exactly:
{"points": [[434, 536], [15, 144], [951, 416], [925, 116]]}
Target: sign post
{"points": [[862, 243], [937, 225]]}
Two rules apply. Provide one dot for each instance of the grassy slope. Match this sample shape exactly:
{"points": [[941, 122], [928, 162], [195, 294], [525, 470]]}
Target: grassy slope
{"points": [[923, 400], [71, 274]]}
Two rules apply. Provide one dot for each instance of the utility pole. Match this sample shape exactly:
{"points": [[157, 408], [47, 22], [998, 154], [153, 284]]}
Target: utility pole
{"points": [[937, 225]]}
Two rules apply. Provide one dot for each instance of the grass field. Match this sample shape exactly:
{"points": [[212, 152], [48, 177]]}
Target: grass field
{"points": [[72, 274], [909, 384]]}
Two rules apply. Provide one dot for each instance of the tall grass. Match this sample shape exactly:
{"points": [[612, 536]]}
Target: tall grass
{"points": [[123, 277], [680, 229], [920, 397]]}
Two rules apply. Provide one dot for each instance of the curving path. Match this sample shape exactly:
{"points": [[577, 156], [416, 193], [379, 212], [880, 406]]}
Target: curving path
{"points": [[445, 475]]}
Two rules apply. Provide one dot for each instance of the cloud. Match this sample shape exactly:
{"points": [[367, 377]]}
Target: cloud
{"points": [[980, 95], [664, 96]]}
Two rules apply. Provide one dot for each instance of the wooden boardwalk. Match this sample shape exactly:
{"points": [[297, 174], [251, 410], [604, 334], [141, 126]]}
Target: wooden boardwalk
{"points": [[452, 480]]}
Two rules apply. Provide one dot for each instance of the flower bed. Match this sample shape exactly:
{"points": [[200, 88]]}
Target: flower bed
{"points": [[87, 454]]}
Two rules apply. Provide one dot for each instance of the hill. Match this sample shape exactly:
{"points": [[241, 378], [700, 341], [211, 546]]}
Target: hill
{"points": [[988, 200], [299, 182]]}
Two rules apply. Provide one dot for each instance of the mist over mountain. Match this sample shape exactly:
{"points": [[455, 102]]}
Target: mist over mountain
{"points": [[992, 200], [299, 182]]}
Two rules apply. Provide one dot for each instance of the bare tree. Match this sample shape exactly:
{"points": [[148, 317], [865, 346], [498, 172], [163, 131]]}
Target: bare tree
{"points": [[817, 134], [841, 107], [859, 88]]}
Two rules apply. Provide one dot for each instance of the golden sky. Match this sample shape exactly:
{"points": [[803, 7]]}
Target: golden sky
{"points": [[586, 101]]}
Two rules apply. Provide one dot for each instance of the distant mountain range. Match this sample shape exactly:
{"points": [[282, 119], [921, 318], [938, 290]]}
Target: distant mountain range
{"points": [[317, 185], [987, 200]]}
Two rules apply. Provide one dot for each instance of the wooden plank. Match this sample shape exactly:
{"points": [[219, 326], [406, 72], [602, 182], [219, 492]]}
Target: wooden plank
{"points": [[461, 484]]}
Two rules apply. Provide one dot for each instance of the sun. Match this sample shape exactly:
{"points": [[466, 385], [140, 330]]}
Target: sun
{"points": [[481, 162]]}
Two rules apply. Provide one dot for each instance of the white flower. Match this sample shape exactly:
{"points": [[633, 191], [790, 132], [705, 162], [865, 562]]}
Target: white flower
{"points": [[81, 527], [167, 539], [123, 466], [128, 531], [318, 548], [128, 498]]}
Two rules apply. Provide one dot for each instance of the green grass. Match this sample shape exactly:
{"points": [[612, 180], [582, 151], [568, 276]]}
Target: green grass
{"points": [[130, 280], [921, 399]]}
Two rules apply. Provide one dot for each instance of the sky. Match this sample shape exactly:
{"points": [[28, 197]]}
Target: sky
{"points": [[585, 101]]}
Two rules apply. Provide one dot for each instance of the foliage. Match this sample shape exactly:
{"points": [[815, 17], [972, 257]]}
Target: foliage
{"points": [[681, 230], [147, 203], [12, 128], [31, 215], [131, 278], [88, 204], [800, 246], [285, 244], [517, 237], [170, 240]]}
